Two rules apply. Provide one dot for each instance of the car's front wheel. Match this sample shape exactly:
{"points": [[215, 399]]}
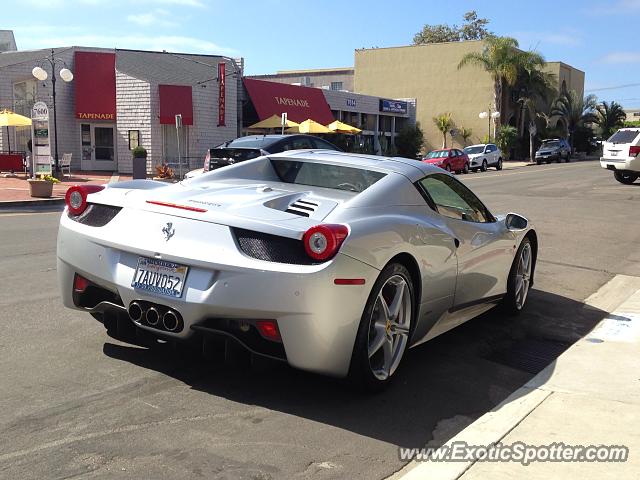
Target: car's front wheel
{"points": [[383, 334], [466, 168], [519, 280], [484, 165], [499, 165], [625, 177]]}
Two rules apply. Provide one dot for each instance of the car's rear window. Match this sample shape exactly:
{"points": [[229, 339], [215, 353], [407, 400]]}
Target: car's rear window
{"points": [[249, 142], [623, 136], [238, 154], [326, 176], [551, 144]]}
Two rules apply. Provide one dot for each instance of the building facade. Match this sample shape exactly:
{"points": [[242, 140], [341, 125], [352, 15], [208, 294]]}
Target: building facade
{"points": [[326, 78], [430, 74], [380, 119], [122, 98]]}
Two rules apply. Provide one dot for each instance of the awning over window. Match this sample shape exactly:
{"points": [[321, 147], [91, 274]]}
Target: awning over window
{"points": [[174, 100], [94, 79], [300, 103]]}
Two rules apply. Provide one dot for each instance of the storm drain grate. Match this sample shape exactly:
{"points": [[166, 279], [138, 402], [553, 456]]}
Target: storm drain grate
{"points": [[530, 355]]}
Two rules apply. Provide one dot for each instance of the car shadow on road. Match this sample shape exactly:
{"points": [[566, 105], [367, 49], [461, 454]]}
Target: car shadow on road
{"points": [[443, 385]]}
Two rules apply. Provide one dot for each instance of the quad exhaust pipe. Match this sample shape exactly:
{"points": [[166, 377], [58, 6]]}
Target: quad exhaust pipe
{"points": [[156, 316]]}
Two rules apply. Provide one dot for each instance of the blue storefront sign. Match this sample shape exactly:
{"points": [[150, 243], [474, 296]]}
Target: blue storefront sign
{"points": [[393, 106]]}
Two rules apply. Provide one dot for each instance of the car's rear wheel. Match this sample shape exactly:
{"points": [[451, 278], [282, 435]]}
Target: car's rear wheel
{"points": [[499, 165], [519, 280], [625, 177], [383, 334], [538, 162], [448, 168], [484, 165]]}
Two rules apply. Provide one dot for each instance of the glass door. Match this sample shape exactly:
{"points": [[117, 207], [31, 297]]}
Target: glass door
{"points": [[98, 147]]}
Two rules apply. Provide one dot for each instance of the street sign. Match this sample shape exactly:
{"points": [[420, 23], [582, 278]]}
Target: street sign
{"points": [[40, 141]]}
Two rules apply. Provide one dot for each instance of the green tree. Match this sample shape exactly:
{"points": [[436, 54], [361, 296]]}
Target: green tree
{"points": [[473, 28], [409, 141], [506, 138], [609, 117], [536, 88], [465, 133], [443, 123], [574, 111], [502, 60]]}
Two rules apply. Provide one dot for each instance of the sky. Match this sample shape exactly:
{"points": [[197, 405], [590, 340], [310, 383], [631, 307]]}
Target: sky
{"points": [[597, 37]]}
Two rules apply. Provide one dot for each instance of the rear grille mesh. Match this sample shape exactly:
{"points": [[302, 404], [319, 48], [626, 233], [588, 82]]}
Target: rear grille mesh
{"points": [[303, 208], [272, 248], [96, 215]]}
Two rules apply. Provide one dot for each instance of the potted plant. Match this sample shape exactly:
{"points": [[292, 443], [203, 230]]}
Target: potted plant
{"points": [[42, 186], [139, 154], [164, 173]]}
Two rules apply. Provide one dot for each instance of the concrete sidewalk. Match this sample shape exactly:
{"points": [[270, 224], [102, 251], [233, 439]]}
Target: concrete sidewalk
{"points": [[589, 396], [14, 191]]}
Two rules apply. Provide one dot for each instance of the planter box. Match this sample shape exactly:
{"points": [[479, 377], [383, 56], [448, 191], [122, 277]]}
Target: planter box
{"points": [[165, 180], [40, 188]]}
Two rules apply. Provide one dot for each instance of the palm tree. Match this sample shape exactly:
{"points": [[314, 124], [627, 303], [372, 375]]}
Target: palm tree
{"points": [[536, 88], [609, 117], [574, 110], [502, 60], [465, 133], [443, 122]]}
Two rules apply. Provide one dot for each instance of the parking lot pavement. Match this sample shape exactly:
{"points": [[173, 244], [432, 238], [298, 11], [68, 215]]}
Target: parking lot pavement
{"points": [[74, 402]]}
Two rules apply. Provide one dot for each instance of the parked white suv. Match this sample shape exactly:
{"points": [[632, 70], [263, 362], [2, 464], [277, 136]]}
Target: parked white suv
{"points": [[484, 155], [620, 154]]}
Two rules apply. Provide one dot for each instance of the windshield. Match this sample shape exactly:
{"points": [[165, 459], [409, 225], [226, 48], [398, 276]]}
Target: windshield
{"points": [[623, 136], [553, 144], [438, 154], [326, 176], [474, 150]]}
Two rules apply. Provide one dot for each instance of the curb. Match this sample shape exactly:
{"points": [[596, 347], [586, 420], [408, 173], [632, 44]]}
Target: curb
{"points": [[494, 425], [30, 203]]}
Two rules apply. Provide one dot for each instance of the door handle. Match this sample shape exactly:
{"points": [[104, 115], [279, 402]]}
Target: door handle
{"points": [[456, 242]]}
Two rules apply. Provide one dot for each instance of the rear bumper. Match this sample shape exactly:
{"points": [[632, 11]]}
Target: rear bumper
{"points": [[552, 157], [317, 319], [628, 163]]}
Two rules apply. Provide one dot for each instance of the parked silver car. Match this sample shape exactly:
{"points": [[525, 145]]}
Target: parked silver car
{"points": [[484, 155], [335, 263]]}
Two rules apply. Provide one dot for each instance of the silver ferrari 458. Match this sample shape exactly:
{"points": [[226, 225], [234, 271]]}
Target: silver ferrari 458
{"points": [[334, 263]]}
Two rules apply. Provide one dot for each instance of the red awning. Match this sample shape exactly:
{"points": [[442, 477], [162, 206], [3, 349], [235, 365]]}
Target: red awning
{"points": [[300, 103], [174, 100], [94, 79]]}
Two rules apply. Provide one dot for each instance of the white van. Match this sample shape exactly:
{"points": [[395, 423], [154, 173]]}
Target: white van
{"points": [[620, 154]]}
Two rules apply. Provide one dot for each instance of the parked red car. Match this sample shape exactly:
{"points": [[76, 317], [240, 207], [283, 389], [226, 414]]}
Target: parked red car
{"points": [[451, 159]]}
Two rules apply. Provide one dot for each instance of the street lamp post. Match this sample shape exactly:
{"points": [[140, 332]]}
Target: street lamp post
{"points": [[66, 76], [491, 116]]}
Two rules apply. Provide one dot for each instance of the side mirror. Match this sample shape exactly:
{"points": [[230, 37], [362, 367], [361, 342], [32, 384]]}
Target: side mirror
{"points": [[515, 222]]}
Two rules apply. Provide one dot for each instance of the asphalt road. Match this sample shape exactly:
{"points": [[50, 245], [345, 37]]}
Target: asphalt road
{"points": [[75, 403]]}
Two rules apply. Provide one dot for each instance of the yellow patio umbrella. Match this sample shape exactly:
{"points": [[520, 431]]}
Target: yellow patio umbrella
{"points": [[11, 119], [274, 121], [339, 127], [309, 126]]}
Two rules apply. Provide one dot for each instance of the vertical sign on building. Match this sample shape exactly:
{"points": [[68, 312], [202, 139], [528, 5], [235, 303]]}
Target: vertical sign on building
{"points": [[41, 162], [221, 93]]}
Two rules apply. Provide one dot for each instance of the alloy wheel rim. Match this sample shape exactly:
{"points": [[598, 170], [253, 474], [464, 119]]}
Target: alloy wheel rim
{"points": [[523, 276], [389, 327]]}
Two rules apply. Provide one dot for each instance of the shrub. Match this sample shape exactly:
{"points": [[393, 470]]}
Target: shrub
{"points": [[409, 141]]}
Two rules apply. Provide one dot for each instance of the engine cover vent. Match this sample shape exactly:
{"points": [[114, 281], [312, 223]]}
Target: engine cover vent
{"points": [[303, 208]]}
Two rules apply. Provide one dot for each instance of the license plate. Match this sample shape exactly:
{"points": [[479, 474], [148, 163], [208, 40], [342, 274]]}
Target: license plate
{"points": [[613, 154], [159, 276]]}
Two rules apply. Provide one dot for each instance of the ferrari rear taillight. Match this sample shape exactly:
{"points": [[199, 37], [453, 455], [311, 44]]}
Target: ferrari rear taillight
{"points": [[634, 151], [322, 242], [76, 197]]}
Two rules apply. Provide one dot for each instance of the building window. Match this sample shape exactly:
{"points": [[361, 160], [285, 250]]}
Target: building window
{"points": [[336, 85], [24, 96]]}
